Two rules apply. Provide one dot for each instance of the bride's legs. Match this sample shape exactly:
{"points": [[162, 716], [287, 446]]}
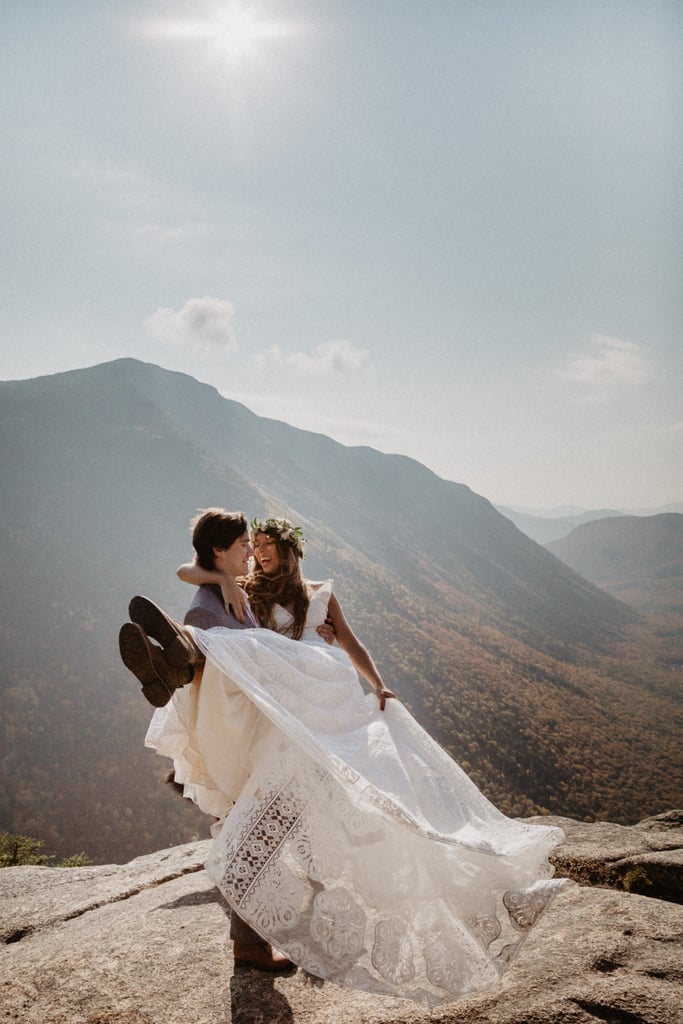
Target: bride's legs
{"points": [[147, 662], [173, 661], [175, 638]]}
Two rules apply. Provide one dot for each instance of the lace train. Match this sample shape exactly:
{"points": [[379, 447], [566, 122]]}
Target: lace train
{"points": [[355, 844]]}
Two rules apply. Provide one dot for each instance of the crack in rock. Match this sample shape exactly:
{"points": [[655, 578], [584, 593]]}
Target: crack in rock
{"points": [[21, 933]]}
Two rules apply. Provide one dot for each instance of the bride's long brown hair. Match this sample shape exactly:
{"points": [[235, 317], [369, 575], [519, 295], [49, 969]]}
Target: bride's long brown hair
{"points": [[286, 587]]}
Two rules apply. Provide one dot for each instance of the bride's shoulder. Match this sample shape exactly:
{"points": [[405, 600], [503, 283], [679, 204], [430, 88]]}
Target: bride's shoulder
{"points": [[315, 585]]}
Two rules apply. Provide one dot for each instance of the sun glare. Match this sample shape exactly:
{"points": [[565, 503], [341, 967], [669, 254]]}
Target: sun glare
{"points": [[237, 31], [234, 30]]}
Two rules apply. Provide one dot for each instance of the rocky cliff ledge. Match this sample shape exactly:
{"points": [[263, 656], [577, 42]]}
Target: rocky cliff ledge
{"points": [[147, 943]]}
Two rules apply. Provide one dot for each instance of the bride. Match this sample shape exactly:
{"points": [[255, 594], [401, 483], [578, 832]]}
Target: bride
{"points": [[346, 837]]}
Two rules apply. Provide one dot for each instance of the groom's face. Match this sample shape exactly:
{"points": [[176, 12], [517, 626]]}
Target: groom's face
{"points": [[234, 559]]}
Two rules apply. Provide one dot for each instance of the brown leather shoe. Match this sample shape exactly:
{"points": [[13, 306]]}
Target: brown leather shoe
{"points": [[159, 678], [175, 638], [262, 957]]}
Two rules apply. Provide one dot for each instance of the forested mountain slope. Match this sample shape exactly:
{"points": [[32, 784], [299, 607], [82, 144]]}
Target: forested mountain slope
{"points": [[547, 690]]}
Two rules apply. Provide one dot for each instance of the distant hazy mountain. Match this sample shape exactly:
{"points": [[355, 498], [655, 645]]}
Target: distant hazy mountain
{"points": [[674, 506], [638, 559], [530, 675], [546, 525], [546, 528]]}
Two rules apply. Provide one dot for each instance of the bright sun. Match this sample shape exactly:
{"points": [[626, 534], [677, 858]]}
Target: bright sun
{"points": [[237, 31], [234, 30]]}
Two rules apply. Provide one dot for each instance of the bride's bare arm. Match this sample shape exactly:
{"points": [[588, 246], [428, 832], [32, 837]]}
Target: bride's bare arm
{"points": [[192, 572], [359, 655], [233, 595]]}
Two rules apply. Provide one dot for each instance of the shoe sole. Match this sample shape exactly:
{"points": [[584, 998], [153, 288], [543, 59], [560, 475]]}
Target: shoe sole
{"points": [[161, 627], [153, 620], [137, 655]]}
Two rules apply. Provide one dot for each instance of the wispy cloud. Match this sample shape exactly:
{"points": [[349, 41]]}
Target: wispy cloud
{"points": [[329, 359], [205, 323], [610, 367]]}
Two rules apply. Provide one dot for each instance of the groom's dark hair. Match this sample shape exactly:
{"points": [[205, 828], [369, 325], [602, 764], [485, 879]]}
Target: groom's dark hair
{"points": [[215, 528]]}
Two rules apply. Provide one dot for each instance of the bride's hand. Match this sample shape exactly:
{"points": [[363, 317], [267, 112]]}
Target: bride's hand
{"points": [[235, 598], [327, 631], [383, 696]]}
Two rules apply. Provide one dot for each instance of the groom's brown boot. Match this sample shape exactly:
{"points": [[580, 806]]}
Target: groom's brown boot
{"points": [[262, 957], [176, 639], [149, 664]]}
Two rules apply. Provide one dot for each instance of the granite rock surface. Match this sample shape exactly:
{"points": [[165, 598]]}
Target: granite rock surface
{"points": [[147, 943]]}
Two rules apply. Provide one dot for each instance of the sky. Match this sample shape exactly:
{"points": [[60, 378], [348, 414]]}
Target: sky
{"points": [[445, 228]]}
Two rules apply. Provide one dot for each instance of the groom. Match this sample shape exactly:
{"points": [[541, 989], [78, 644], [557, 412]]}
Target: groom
{"points": [[221, 542]]}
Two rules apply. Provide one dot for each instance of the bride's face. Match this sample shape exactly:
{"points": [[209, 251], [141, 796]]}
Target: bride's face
{"points": [[266, 553]]}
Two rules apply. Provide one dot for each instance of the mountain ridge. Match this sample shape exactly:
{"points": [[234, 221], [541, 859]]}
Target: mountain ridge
{"points": [[554, 524], [528, 674], [636, 559]]}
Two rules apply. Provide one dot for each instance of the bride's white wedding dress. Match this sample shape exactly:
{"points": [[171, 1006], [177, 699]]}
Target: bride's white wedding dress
{"points": [[349, 838]]}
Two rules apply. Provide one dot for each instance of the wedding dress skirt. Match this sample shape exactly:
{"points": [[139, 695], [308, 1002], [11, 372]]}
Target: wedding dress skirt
{"points": [[351, 840]]}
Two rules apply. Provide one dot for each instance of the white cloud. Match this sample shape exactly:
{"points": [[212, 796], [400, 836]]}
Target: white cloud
{"points": [[329, 359], [611, 367], [204, 323]]}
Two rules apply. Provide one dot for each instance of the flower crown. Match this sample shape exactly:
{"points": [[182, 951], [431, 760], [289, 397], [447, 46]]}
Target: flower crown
{"points": [[283, 529]]}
